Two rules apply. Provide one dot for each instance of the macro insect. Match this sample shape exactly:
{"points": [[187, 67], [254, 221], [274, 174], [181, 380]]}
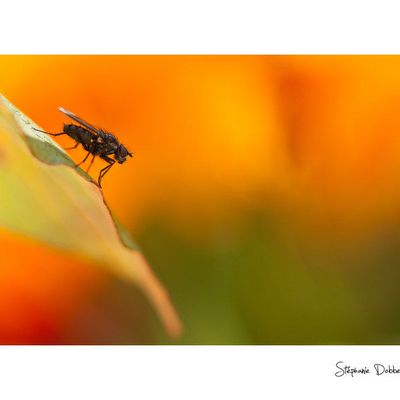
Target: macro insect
{"points": [[97, 142]]}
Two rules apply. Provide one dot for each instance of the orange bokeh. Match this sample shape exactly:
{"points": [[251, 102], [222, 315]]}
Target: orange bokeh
{"points": [[196, 125], [41, 289]]}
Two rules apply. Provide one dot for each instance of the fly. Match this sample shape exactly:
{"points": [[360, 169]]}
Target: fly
{"points": [[97, 142]]}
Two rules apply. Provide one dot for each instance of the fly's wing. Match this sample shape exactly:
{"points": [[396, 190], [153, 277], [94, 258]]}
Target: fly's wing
{"points": [[80, 121]]}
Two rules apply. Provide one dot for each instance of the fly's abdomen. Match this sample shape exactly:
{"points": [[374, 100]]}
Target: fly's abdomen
{"points": [[79, 134]]}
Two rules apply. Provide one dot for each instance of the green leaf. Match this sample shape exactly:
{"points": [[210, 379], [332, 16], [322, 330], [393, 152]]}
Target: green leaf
{"points": [[43, 196]]}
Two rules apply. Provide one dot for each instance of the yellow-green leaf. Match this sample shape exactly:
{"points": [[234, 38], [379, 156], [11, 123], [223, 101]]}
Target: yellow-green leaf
{"points": [[44, 197]]}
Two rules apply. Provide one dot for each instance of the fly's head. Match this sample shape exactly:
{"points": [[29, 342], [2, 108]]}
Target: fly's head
{"points": [[121, 153]]}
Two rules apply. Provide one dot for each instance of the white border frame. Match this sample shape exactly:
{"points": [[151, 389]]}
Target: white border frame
{"points": [[200, 27], [206, 27]]}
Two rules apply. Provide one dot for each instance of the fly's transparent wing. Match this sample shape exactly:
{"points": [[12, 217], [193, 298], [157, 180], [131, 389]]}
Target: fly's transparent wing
{"points": [[80, 121]]}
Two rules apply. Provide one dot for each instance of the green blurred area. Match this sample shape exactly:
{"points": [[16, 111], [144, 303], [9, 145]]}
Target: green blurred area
{"points": [[259, 281]]}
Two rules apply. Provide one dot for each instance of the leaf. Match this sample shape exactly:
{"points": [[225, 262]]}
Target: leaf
{"points": [[43, 196]]}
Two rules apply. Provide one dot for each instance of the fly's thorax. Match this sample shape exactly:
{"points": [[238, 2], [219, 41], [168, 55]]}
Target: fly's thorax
{"points": [[106, 143]]}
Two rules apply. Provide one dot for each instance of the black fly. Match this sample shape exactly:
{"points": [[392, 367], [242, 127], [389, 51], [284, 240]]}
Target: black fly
{"points": [[95, 141]]}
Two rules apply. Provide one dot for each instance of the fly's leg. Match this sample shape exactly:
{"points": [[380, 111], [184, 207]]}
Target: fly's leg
{"points": [[105, 169], [73, 147], [103, 172], [92, 149], [51, 134], [91, 163], [77, 165], [59, 134]]}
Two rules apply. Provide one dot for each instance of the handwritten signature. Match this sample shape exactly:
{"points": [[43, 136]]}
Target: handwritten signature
{"points": [[377, 369]]}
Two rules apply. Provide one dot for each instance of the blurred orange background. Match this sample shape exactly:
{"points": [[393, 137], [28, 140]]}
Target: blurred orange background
{"points": [[263, 190]]}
